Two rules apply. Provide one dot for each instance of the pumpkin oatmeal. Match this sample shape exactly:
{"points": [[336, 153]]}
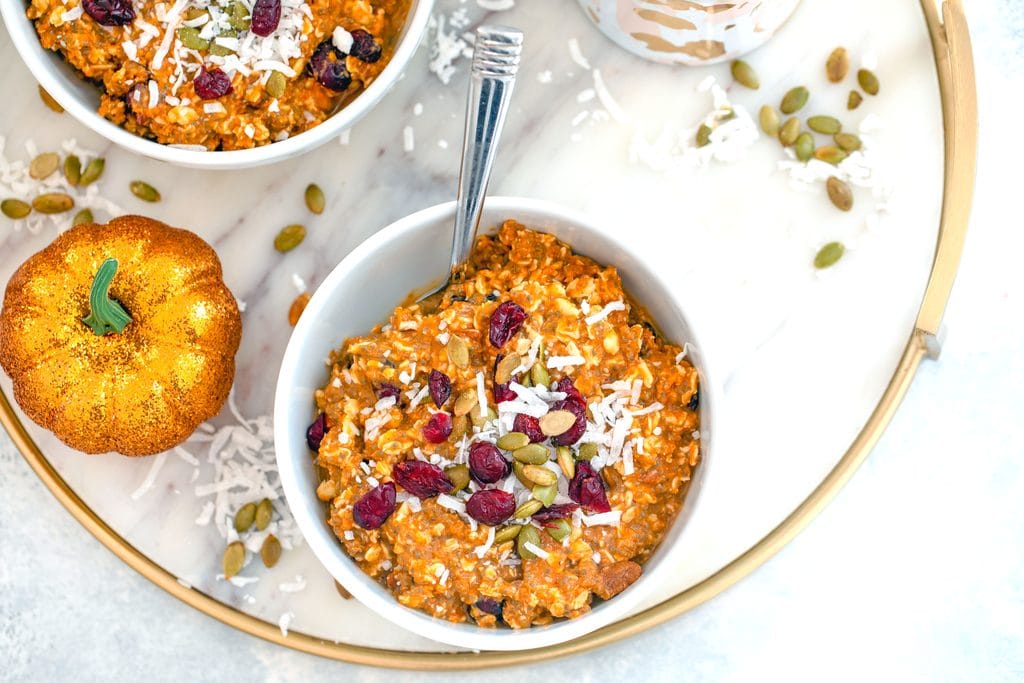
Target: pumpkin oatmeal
{"points": [[515, 451], [222, 74]]}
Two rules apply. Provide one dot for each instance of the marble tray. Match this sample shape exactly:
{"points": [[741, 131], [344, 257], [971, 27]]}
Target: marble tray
{"points": [[814, 353]]}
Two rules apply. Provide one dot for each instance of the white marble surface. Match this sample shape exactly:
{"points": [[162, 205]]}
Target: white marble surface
{"points": [[914, 570]]}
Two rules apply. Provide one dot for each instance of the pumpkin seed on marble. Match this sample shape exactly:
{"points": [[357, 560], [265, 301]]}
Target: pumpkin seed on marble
{"points": [[83, 217], [513, 441], [539, 375], [245, 516], [745, 75], [790, 131], [191, 38], [540, 475], [828, 255], [44, 165], [290, 237], [839, 193], [837, 65], [528, 534], [264, 514], [458, 475], [769, 119], [458, 351], [804, 146], [315, 200], [506, 366], [527, 509], [559, 530], [848, 142], [142, 190], [276, 85], [92, 172], [48, 100], [545, 494], [15, 208], [563, 455], [270, 552], [234, 559], [239, 17], [794, 100], [533, 454], [853, 100], [587, 451], [868, 81], [703, 135], [830, 154], [72, 169], [53, 202], [507, 533], [826, 125], [465, 401]]}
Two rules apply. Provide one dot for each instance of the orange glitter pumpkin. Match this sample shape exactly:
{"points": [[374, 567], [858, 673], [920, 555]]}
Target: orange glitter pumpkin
{"points": [[120, 337]]}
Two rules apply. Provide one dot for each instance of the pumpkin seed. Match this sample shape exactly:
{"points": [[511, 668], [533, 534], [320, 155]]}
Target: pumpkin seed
{"points": [[848, 142], [534, 454], [826, 125], [341, 591], [703, 135], [526, 380], [557, 422], [83, 217], [290, 237], [545, 494], [53, 202], [839, 193], [239, 17], [219, 50], [507, 533], [264, 514], [44, 165], [794, 100], [48, 100], [234, 559], [559, 530], [540, 375], [804, 146], [140, 189], [517, 468], [513, 441], [790, 131], [830, 154], [460, 425], [528, 534], [479, 419], [868, 81], [540, 475], [466, 401], [837, 65], [276, 85], [315, 200], [72, 169], [587, 451], [611, 477], [853, 100], [194, 13], [745, 74], [92, 172], [527, 509], [563, 454], [15, 208], [506, 366], [245, 516], [190, 37], [458, 351], [769, 119], [827, 256], [270, 553], [458, 475]]}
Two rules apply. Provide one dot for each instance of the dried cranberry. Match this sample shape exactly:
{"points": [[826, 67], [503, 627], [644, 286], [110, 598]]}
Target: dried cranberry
{"points": [[386, 389], [529, 425], [506, 320], [421, 479], [573, 434], [502, 393], [587, 489], [554, 512], [211, 84], [110, 12], [328, 67], [440, 387], [491, 506], [266, 15], [374, 508], [489, 606], [566, 386], [316, 432], [364, 47], [486, 463], [438, 427]]}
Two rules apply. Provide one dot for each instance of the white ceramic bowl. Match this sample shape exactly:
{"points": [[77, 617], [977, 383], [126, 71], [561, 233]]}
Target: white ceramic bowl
{"points": [[360, 293], [81, 98]]}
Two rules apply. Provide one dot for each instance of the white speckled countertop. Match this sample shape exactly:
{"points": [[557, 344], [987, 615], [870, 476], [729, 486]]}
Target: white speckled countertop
{"points": [[914, 572]]}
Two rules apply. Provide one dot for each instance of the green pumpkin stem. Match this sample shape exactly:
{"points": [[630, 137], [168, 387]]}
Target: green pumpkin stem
{"points": [[106, 316]]}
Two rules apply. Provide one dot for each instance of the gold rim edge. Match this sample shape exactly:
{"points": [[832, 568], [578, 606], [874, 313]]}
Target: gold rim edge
{"points": [[954, 65]]}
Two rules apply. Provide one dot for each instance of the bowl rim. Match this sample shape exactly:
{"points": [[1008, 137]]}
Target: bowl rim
{"points": [[325, 545], [26, 42]]}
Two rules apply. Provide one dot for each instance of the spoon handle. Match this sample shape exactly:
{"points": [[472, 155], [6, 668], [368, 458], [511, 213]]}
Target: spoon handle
{"points": [[495, 63]]}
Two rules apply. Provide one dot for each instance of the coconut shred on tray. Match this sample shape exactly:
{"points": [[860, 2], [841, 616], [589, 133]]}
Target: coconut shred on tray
{"points": [[222, 74]]}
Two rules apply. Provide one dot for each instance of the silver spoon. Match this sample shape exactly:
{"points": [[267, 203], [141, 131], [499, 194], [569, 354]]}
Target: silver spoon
{"points": [[495, 63]]}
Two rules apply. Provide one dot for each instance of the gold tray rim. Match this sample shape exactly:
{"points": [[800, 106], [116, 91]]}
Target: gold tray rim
{"points": [[947, 28]]}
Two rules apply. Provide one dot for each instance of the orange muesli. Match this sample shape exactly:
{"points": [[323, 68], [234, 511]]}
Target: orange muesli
{"points": [[222, 74], [514, 452]]}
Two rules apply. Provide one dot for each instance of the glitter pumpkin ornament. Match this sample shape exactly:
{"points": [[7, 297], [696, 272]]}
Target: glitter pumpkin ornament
{"points": [[120, 337]]}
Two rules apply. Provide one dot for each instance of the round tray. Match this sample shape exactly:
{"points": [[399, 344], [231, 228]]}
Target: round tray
{"points": [[861, 331]]}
